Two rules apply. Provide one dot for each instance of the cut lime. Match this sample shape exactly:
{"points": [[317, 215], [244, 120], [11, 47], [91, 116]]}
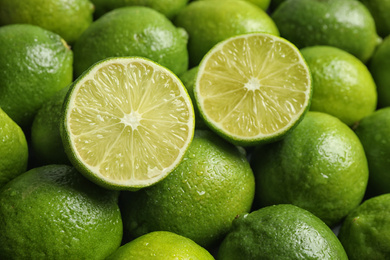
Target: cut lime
{"points": [[127, 123], [253, 88]]}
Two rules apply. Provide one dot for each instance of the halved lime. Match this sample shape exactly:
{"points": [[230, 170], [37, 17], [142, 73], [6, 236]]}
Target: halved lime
{"points": [[127, 123], [253, 88]]}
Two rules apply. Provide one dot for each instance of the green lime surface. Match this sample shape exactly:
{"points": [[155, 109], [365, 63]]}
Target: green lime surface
{"points": [[365, 233], [46, 142], [380, 12], [209, 22], [188, 78], [13, 149], [167, 7], [345, 24], [52, 212], [199, 199], [280, 232], [379, 67], [68, 18], [35, 64], [373, 132], [263, 4], [342, 84], [132, 31], [161, 245], [320, 166]]}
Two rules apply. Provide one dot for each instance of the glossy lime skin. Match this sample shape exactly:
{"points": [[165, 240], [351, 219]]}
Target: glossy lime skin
{"points": [[342, 84], [209, 22], [280, 232], [46, 142], [161, 245], [373, 132], [188, 78], [35, 64], [132, 31], [169, 8], [13, 149], [379, 67], [380, 11], [68, 18], [345, 24], [365, 233], [199, 199], [320, 166], [53, 212]]}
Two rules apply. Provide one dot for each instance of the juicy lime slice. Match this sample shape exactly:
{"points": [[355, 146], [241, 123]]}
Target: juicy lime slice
{"points": [[253, 88], [127, 123]]}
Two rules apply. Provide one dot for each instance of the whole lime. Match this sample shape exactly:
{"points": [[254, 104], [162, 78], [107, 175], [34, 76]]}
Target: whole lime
{"points": [[199, 199], [380, 12], [320, 166], [373, 132], [68, 18], [13, 149], [209, 22], [35, 64], [161, 245], [342, 84], [46, 143], [280, 232], [379, 67], [345, 24], [132, 31], [53, 212], [365, 233], [169, 8], [188, 78]]}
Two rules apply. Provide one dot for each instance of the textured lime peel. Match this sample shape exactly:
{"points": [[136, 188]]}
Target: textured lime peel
{"points": [[127, 123], [253, 88]]}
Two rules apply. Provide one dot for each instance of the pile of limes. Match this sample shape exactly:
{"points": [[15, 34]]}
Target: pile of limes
{"points": [[194, 129]]}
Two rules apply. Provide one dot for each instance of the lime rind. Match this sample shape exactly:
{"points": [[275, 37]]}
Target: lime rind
{"points": [[237, 76], [122, 136]]}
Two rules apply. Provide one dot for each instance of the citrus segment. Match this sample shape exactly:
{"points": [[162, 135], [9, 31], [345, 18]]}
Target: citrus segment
{"points": [[253, 88], [128, 122]]}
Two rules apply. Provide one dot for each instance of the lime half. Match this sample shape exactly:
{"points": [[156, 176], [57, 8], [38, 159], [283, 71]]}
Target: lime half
{"points": [[127, 123], [253, 88]]}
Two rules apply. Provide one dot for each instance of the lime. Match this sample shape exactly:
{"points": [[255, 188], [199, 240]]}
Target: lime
{"points": [[345, 24], [263, 4], [199, 199], [52, 212], [379, 67], [13, 149], [380, 12], [342, 84], [132, 31], [320, 166], [46, 142], [280, 232], [365, 233], [373, 132], [161, 245], [35, 64], [127, 123], [68, 18], [253, 88], [188, 78], [209, 22], [167, 7]]}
